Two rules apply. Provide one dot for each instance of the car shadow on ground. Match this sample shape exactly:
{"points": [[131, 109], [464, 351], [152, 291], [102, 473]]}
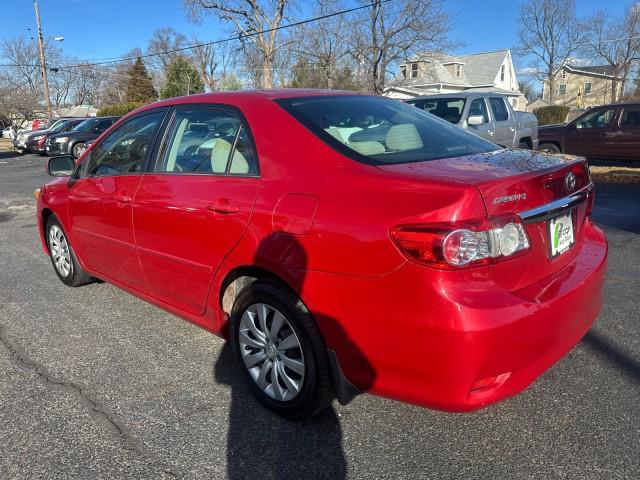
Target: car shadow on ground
{"points": [[10, 154], [597, 343], [262, 445]]}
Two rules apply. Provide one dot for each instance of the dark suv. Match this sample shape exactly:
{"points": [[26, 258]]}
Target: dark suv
{"points": [[74, 141], [608, 131], [35, 143]]}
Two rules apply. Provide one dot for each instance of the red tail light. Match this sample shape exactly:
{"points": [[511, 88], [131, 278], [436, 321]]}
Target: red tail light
{"points": [[450, 246]]}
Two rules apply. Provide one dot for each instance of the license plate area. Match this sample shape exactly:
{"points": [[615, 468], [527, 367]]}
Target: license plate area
{"points": [[560, 234]]}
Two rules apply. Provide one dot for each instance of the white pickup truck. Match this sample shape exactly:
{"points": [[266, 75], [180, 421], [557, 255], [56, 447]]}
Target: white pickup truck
{"points": [[488, 115]]}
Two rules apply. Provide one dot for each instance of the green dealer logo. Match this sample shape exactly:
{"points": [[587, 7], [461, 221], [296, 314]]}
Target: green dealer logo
{"points": [[556, 235]]}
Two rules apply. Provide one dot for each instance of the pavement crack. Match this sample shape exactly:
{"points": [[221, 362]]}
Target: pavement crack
{"points": [[129, 442]]}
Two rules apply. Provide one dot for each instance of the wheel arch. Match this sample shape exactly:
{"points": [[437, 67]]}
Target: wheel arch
{"points": [[45, 215], [239, 278]]}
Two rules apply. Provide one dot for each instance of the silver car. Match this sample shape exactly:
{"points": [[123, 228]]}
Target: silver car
{"points": [[488, 115]]}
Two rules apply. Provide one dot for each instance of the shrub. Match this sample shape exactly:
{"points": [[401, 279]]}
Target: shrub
{"points": [[118, 109], [551, 114]]}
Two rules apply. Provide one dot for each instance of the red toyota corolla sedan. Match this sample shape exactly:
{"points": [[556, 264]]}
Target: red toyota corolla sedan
{"points": [[342, 243]]}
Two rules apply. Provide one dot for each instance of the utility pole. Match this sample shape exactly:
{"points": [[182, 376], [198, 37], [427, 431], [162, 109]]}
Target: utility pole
{"points": [[43, 64]]}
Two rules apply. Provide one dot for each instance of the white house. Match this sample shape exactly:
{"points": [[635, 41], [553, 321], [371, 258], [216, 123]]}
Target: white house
{"points": [[439, 73]]}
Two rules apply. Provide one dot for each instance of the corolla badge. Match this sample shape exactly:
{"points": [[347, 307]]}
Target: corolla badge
{"points": [[510, 198], [570, 181]]}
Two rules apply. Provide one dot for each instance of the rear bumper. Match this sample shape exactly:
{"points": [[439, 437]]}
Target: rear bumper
{"points": [[456, 343]]}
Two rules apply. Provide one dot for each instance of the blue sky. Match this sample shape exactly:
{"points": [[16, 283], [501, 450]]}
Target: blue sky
{"points": [[96, 29]]}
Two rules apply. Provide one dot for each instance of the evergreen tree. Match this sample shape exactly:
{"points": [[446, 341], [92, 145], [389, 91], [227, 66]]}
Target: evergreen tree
{"points": [[182, 79], [140, 88]]}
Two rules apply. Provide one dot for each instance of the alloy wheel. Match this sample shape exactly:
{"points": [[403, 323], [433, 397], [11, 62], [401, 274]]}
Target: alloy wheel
{"points": [[271, 351], [60, 252]]}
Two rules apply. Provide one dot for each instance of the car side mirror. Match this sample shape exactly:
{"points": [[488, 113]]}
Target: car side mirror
{"points": [[475, 120], [62, 166]]}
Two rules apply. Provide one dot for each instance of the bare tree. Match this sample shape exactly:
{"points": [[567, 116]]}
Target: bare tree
{"points": [[392, 31], [550, 33], [615, 41], [205, 61], [322, 45], [255, 21], [161, 46]]}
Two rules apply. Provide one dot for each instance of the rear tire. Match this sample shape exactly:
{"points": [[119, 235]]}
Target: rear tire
{"points": [[549, 148], [293, 380], [63, 259]]}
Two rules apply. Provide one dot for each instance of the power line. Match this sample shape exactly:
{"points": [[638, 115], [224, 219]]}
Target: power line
{"points": [[238, 37]]}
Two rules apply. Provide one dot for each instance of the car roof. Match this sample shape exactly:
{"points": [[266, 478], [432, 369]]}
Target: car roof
{"points": [[457, 95], [272, 94]]}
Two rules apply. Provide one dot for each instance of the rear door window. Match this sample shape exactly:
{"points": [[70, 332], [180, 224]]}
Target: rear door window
{"points": [[208, 140], [499, 109], [630, 118]]}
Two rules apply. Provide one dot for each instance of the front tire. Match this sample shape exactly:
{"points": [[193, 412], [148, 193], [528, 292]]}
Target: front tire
{"points": [[280, 351], [63, 259], [77, 150]]}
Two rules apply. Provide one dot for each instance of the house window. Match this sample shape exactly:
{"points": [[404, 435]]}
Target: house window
{"points": [[562, 89], [564, 74], [587, 88], [403, 71], [414, 70], [502, 69], [458, 69]]}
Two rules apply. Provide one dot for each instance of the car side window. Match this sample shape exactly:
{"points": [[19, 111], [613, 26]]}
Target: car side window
{"points": [[479, 108], [124, 150], [499, 109], [212, 141], [103, 125], [597, 119], [630, 118]]}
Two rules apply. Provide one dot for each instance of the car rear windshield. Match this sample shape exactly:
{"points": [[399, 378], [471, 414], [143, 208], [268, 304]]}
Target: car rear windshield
{"points": [[449, 109], [382, 131]]}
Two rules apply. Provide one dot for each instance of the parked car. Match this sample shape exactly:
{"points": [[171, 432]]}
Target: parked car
{"points": [[488, 115], [8, 132], [432, 266], [35, 143], [20, 140], [609, 131], [74, 141]]}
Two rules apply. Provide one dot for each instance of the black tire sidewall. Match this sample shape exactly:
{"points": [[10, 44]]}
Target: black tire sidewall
{"points": [[551, 148], [304, 404]]}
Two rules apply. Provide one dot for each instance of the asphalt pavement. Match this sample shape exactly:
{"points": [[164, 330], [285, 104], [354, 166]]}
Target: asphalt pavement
{"points": [[95, 383]]}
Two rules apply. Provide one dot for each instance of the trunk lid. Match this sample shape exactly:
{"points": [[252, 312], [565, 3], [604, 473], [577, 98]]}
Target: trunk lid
{"points": [[512, 182]]}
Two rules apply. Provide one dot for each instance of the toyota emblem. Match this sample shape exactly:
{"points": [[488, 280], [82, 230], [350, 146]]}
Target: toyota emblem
{"points": [[570, 181]]}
